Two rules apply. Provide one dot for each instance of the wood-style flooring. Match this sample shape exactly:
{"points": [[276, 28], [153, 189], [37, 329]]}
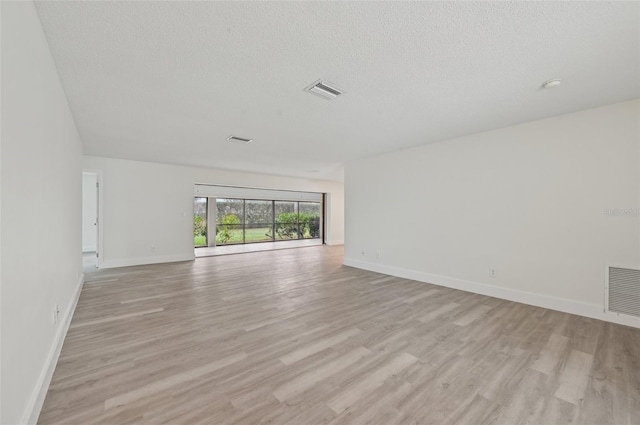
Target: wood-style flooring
{"points": [[295, 337]]}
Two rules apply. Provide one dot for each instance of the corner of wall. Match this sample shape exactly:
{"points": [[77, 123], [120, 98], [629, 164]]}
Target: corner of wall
{"points": [[40, 392]]}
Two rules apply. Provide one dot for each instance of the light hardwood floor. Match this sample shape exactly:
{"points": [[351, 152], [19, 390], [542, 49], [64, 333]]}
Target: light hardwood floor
{"points": [[295, 337]]}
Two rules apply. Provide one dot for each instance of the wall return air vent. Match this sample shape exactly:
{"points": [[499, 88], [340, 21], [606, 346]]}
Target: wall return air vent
{"points": [[241, 140], [623, 291], [324, 90]]}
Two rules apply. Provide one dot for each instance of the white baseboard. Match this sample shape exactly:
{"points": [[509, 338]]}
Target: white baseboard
{"points": [[40, 392], [553, 303], [338, 242], [126, 262], [620, 319]]}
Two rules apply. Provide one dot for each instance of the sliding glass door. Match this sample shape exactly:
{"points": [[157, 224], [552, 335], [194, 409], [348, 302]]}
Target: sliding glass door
{"points": [[310, 213], [229, 221], [240, 221], [286, 223], [258, 221], [200, 222]]}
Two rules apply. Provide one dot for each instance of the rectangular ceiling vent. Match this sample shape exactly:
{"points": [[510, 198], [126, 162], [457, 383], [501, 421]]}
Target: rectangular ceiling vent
{"points": [[623, 291], [324, 89], [242, 140]]}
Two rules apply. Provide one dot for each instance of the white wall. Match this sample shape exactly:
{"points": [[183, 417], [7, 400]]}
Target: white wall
{"points": [[527, 200], [89, 211], [41, 213], [147, 208]]}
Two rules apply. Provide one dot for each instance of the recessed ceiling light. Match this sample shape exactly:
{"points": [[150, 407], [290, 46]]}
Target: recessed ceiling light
{"points": [[324, 90], [242, 140], [551, 83]]}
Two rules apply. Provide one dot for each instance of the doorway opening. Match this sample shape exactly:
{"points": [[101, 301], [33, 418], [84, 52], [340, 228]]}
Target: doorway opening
{"points": [[90, 187]]}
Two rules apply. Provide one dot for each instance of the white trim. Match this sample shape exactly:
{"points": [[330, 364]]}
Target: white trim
{"points": [[100, 247], [220, 191], [338, 242], [553, 303], [36, 400], [621, 319], [126, 262]]}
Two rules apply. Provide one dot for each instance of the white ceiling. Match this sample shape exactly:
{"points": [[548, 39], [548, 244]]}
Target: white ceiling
{"points": [[169, 81]]}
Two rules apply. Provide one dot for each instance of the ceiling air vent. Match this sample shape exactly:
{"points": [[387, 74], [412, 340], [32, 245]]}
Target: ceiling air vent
{"points": [[242, 140], [324, 89]]}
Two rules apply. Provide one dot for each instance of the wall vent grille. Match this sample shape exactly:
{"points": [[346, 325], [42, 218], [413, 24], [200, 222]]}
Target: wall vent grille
{"points": [[623, 291]]}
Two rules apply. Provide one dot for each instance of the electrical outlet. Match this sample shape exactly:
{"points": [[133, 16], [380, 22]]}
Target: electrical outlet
{"points": [[56, 314], [493, 273]]}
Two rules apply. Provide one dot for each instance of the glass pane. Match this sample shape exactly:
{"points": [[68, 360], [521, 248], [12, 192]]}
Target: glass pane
{"points": [[286, 220], [258, 221], [200, 222], [310, 213], [229, 216]]}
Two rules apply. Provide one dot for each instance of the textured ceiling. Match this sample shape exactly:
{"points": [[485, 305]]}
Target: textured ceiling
{"points": [[169, 81]]}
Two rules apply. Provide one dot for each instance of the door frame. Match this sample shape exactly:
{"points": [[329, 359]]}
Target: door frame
{"points": [[99, 216]]}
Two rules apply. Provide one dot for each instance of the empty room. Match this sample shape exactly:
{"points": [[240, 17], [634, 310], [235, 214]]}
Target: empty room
{"points": [[229, 212]]}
